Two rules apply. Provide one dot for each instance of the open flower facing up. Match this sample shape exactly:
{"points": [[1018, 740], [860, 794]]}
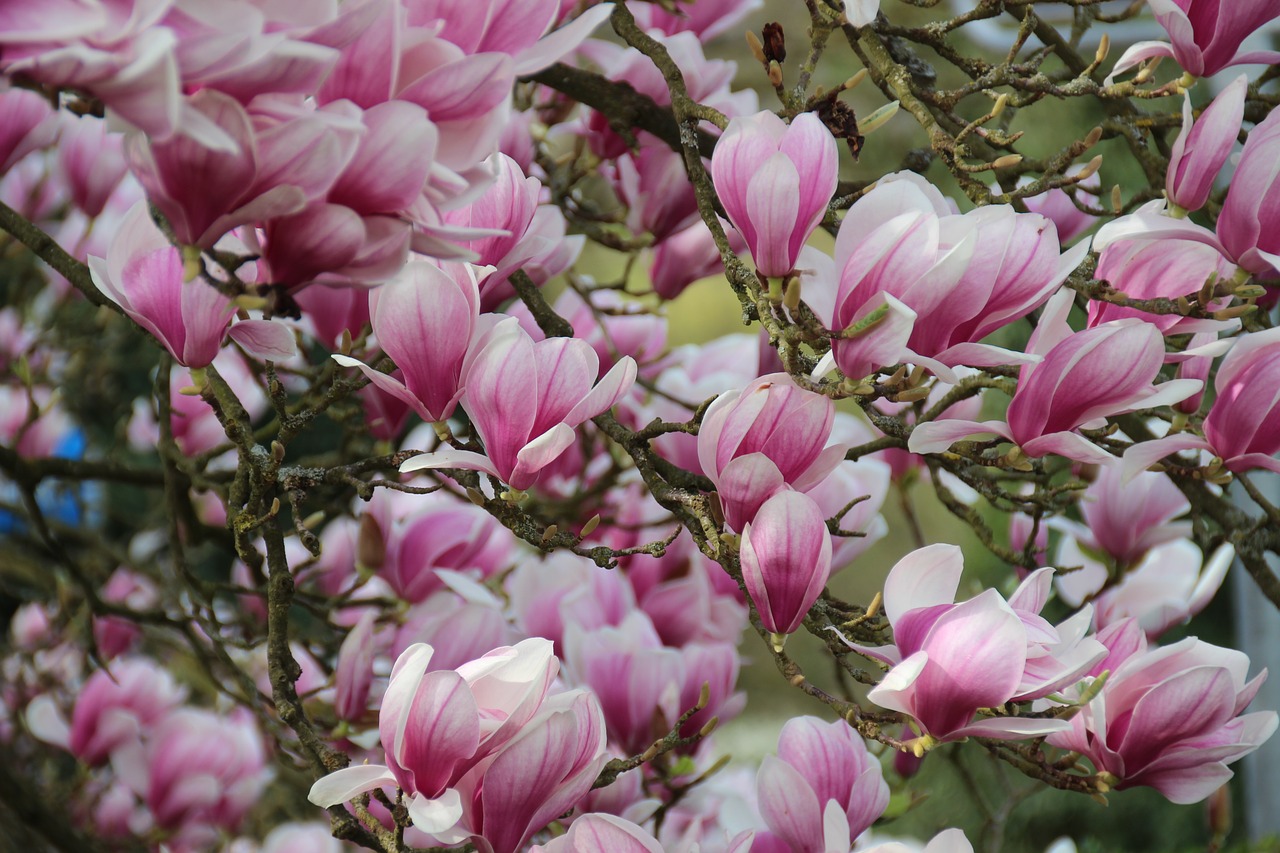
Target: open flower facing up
{"points": [[949, 660], [1170, 718], [775, 181]]}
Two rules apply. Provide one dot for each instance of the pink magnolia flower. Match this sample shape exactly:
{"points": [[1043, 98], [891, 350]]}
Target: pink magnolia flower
{"points": [[143, 274], [1206, 35], [651, 182], [91, 161], [115, 708], [1057, 206], [438, 726], [461, 622], [197, 770], [1167, 587], [1170, 718], [705, 18], [525, 399], [596, 832], [613, 325], [949, 659], [948, 280], [786, 559], [1242, 427], [1085, 377], [769, 436], [1203, 146], [687, 256], [425, 320], [353, 675], [1248, 223], [27, 123], [115, 635], [1124, 518], [564, 589], [823, 789], [775, 181], [1153, 269], [333, 310]]}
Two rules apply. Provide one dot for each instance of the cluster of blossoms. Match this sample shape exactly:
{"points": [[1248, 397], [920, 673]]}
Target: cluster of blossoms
{"points": [[451, 542]]}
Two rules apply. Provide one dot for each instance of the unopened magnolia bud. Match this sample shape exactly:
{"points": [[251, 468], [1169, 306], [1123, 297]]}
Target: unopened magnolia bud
{"points": [[344, 345], [277, 451], [1234, 311], [791, 293], [590, 526], [912, 394], [878, 118], [1147, 71], [1104, 47], [189, 391], [650, 753], [1001, 103], [311, 522], [250, 302], [1250, 291], [1006, 161], [709, 727], [475, 496], [853, 81], [1218, 808], [549, 533], [775, 73], [1092, 138], [757, 49], [1090, 168], [1117, 200], [275, 507]]}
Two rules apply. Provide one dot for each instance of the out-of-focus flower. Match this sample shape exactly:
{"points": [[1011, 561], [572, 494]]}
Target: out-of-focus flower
{"points": [[823, 789]]}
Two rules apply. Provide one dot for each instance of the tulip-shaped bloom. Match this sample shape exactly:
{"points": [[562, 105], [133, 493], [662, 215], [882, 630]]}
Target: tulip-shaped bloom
{"points": [[1249, 223], [525, 399], [437, 726], [1243, 426], [1201, 148], [115, 707], [637, 679], [27, 122], [142, 274], [786, 559], [823, 789], [767, 437], [775, 182], [595, 832], [1085, 377], [947, 280], [545, 769], [1168, 587], [1170, 718], [353, 676], [425, 320], [1206, 35], [91, 159], [952, 659], [1125, 519], [198, 768]]}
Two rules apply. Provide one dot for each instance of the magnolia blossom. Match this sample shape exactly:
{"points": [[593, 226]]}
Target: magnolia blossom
{"points": [[786, 559], [143, 274], [950, 659], [1085, 377], [525, 399], [1170, 585], [1203, 146], [437, 726], [1242, 427], [596, 832], [426, 320], [823, 789], [767, 437], [1170, 718], [1206, 35], [775, 181]]}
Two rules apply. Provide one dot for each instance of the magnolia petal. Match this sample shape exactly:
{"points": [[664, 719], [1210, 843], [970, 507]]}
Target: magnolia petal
{"points": [[435, 816], [266, 339], [346, 784]]}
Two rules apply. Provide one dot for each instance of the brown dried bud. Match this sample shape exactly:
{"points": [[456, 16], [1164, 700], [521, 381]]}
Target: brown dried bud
{"points": [[775, 44], [841, 120]]}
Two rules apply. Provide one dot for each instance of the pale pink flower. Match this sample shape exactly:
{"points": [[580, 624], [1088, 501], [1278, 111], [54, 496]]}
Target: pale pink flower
{"points": [[1170, 718], [525, 399], [27, 123], [775, 181], [769, 436], [1203, 146], [592, 833], [786, 559], [823, 789]]}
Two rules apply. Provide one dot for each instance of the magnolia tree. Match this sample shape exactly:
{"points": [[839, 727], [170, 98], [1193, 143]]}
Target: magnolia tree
{"points": [[345, 506]]}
